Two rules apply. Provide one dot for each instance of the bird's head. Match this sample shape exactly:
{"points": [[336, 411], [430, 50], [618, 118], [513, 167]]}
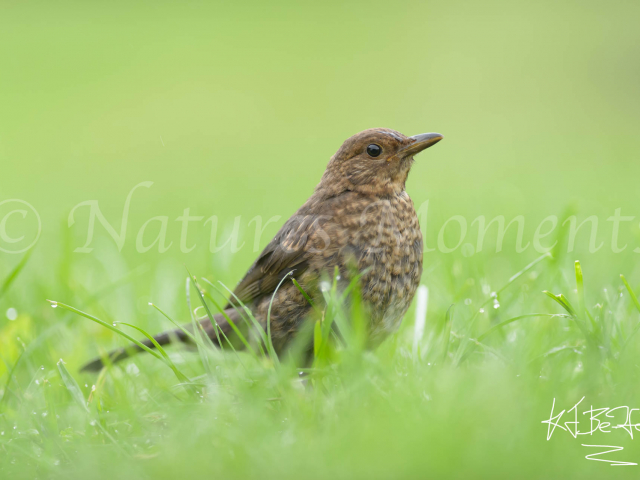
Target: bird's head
{"points": [[375, 161]]}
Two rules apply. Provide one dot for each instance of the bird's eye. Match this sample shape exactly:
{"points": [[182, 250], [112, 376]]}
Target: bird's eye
{"points": [[374, 150]]}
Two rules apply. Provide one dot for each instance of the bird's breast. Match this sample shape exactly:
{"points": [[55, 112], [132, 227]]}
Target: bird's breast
{"points": [[387, 241]]}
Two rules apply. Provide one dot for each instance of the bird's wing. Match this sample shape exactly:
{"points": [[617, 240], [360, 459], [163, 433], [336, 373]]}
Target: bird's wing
{"points": [[288, 251]]}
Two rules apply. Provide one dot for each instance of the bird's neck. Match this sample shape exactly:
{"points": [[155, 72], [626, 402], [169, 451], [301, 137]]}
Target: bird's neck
{"points": [[333, 185]]}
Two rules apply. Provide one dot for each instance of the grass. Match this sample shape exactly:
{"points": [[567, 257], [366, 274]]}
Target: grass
{"points": [[232, 111], [466, 397]]}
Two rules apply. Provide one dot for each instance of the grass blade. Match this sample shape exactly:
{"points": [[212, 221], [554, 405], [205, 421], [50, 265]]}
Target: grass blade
{"points": [[107, 325], [520, 317], [72, 386], [631, 293], [197, 335], [234, 327], [14, 273], [179, 374]]}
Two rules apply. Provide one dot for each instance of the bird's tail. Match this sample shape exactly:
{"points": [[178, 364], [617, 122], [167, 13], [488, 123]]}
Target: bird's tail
{"points": [[168, 337]]}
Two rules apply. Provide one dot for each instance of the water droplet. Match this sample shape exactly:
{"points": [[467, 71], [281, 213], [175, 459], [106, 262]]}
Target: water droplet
{"points": [[54, 304], [467, 301], [481, 310], [150, 304], [324, 286], [12, 314]]}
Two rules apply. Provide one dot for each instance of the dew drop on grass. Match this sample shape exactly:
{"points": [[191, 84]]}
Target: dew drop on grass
{"points": [[54, 304], [467, 301], [481, 310], [12, 314]]}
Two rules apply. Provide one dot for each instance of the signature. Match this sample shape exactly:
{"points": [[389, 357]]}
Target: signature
{"points": [[603, 420]]}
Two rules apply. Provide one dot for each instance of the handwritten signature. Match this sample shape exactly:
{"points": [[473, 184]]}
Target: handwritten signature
{"points": [[603, 420]]}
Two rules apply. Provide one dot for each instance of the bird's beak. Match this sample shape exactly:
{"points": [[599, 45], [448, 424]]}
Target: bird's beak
{"points": [[420, 142]]}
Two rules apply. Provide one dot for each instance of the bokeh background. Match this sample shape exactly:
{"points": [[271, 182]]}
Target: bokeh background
{"points": [[233, 109]]}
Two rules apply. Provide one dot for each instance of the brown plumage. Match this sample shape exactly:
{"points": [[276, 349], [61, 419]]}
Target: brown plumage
{"points": [[359, 219]]}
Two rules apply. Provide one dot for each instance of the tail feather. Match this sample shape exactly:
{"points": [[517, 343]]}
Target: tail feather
{"points": [[166, 338]]}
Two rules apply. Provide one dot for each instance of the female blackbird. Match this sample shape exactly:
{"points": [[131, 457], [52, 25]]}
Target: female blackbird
{"points": [[359, 219]]}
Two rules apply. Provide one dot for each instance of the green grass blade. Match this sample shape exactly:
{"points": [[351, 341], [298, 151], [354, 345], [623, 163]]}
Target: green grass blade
{"points": [[520, 317], [214, 325], [10, 377], [72, 386], [106, 325], [178, 373], [74, 390], [233, 325], [301, 290], [634, 298], [580, 286], [260, 331], [8, 281], [197, 335], [447, 332], [181, 327], [520, 273]]}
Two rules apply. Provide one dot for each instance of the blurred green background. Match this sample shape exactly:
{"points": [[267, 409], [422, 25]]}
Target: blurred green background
{"points": [[233, 109]]}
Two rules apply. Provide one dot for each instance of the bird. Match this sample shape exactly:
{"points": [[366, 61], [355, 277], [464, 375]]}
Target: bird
{"points": [[359, 221]]}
